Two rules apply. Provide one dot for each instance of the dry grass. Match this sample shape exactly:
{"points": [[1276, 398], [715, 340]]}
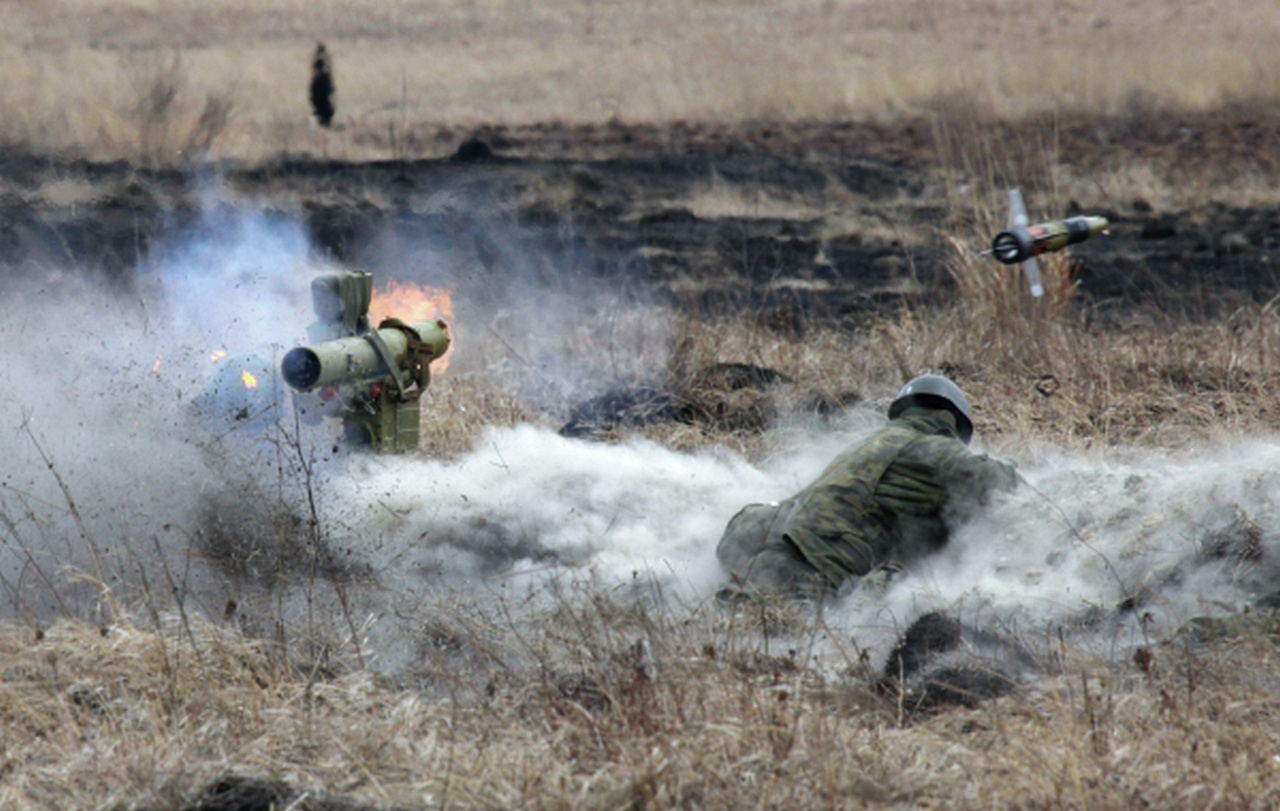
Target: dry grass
{"points": [[1039, 371], [602, 704], [597, 701], [647, 713], [404, 71]]}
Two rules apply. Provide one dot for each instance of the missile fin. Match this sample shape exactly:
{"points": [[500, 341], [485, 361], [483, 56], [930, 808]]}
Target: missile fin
{"points": [[1017, 210], [1032, 268]]}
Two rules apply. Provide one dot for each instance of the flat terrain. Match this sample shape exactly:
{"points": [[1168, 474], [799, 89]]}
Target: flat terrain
{"points": [[80, 71], [794, 222], [691, 249]]}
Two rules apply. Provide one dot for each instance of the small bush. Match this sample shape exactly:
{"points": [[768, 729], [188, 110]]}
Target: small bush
{"points": [[168, 126]]}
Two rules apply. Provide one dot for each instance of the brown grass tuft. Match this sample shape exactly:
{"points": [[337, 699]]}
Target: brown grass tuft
{"points": [[623, 709], [600, 699]]}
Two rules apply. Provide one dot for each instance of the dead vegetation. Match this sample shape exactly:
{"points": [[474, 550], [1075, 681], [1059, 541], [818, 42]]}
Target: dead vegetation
{"points": [[603, 703], [170, 127], [1037, 370], [624, 710], [414, 79]]}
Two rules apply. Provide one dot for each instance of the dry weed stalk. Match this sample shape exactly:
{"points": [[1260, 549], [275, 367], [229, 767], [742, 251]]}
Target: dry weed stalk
{"points": [[166, 130], [465, 65]]}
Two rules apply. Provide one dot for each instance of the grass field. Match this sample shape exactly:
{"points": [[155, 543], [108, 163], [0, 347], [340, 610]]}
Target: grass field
{"points": [[78, 71], [584, 691]]}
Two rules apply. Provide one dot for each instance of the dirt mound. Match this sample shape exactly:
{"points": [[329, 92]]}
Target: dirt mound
{"points": [[720, 397], [241, 793]]}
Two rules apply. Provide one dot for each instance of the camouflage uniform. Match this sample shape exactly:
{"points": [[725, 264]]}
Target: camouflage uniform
{"points": [[884, 501], [1262, 617]]}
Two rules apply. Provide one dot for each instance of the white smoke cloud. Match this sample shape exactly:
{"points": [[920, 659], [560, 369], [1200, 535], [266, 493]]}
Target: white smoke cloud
{"points": [[1178, 536], [104, 452], [528, 507], [240, 283], [527, 498], [97, 389]]}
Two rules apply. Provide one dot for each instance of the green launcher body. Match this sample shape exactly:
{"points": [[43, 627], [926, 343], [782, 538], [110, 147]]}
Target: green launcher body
{"points": [[378, 375]]}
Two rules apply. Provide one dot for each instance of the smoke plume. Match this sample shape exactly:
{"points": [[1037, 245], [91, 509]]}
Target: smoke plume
{"points": [[135, 467]]}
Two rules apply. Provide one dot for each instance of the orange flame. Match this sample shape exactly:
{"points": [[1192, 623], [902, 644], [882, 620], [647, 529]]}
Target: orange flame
{"points": [[217, 355], [250, 382], [411, 303], [155, 367]]}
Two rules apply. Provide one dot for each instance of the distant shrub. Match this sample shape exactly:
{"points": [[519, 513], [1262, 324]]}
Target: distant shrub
{"points": [[166, 126]]}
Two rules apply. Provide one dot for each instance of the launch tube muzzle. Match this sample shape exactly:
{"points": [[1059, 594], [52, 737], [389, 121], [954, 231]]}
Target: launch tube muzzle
{"points": [[359, 359]]}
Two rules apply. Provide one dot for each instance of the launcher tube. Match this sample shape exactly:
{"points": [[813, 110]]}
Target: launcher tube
{"points": [[355, 360]]}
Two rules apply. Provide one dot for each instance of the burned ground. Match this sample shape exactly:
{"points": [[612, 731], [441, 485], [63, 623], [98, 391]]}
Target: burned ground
{"points": [[793, 222]]}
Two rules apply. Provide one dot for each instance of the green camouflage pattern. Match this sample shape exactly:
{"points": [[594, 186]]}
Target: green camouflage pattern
{"points": [[758, 558], [1204, 630], [886, 500]]}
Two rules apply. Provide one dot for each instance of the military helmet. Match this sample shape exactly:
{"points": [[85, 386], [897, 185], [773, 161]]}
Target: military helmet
{"points": [[935, 392]]}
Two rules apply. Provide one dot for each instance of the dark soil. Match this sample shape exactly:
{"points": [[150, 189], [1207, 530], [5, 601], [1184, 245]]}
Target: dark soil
{"points": [[240, 793], [552, 205]]}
